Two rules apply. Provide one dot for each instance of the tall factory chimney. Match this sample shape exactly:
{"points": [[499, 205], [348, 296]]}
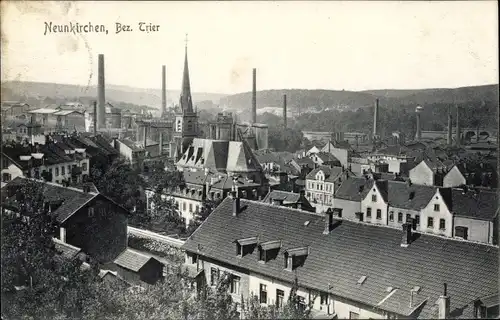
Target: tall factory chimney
{"points": [[449, 137], [101, 111], [375, 119], [418, 135], [458, 135], [254, 96], [163, 91], [95, 118], [284, 111]]}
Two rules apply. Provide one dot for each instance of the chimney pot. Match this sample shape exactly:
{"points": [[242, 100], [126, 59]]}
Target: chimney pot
{"points": [[444, 304], [406, 240], [236, 203]]}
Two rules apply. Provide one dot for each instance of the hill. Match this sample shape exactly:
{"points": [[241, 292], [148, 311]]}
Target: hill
{"points": [[322, 99], [137, 96]]}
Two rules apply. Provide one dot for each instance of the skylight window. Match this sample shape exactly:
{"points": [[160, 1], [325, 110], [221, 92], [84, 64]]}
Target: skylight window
{"points": [[306, 223], [362, 280], [416, 289]]}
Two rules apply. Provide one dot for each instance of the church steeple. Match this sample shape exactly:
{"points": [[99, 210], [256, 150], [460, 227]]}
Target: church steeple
{"points": [[185, 100]]}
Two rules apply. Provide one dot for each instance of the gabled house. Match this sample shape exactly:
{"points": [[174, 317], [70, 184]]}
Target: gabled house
{"points": [[428, 209], [428, 172], [321, 184], [87, 220], [54, 161], [325, 159], [343, 269]]}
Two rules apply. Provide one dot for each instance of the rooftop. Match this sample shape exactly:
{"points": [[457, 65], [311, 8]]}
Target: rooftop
{"points": [[350, 251], [132, 260]]}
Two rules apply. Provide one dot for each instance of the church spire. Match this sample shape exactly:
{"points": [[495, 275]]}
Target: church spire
{"points": [[185, 99]]}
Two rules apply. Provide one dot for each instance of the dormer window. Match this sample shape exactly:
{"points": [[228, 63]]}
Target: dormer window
{"points": [[245, 246], [269, 250], [295, 257]]}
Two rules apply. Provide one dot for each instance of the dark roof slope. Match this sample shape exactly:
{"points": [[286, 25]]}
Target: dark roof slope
{"points": [[287, 197], [350, 251], [412, 197], [354, 189], [72, 198], [479, 205]]}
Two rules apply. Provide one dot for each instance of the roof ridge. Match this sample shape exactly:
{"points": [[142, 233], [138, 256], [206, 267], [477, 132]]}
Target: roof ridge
{"points": [[363, 222]]}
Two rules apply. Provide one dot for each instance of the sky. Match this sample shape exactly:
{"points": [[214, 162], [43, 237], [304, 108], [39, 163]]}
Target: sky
{"points": [[310, 45]]}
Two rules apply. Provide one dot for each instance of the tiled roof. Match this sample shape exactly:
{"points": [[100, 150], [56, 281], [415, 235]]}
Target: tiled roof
{"points": [[326, 157], [480, 205], [412, 197], [354, 189], [352, 250], [72, 198], [65, 249], [331, 173], [287, 197], [132, 260]]}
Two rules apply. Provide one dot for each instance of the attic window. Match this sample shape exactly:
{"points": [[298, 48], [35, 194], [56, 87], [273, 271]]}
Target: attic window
{"points": [[416, 289], [389, 289], [269, 250], [411, 195], [362, 280], [245, 246], [295, 257]]}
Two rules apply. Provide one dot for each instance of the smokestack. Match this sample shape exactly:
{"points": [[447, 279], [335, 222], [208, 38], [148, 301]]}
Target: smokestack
{"points": [[458, 135], [101, 111], [418, 135], [145, 137], [449, 138], [95, 118], [163, 91], [236, 202], [160, 150], [375, 119], [254, 96], [284, 111]]}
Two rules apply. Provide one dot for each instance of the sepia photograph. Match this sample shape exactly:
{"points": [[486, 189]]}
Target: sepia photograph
{"points": [[214, 160]]}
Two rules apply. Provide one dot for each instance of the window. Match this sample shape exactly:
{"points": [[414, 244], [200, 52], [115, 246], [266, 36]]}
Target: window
{"points": [[91, 212], [280, 295], [63, 170], [324, 298], [6, 177], [194, 258], [262, 255], [235, 285], [69, 168], [430, 222], [436, 207], [461, 232], [84, 166], [302, 303], [213, 276], [374, 198], [57, 171], [391, 216], [263, 293], [442, 224], [183, 206], [417, 219], [379, 214], [408, 218], [400, 217], [190, 207], [368, 212], [353, 315]]}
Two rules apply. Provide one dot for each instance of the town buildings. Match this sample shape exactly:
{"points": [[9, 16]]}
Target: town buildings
{"points": [[343, 268]]}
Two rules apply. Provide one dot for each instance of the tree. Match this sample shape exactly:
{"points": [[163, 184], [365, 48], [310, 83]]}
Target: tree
{"points": [[122, 184], [216, 303], [207, 207], [36, 281], [293, 309]]}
